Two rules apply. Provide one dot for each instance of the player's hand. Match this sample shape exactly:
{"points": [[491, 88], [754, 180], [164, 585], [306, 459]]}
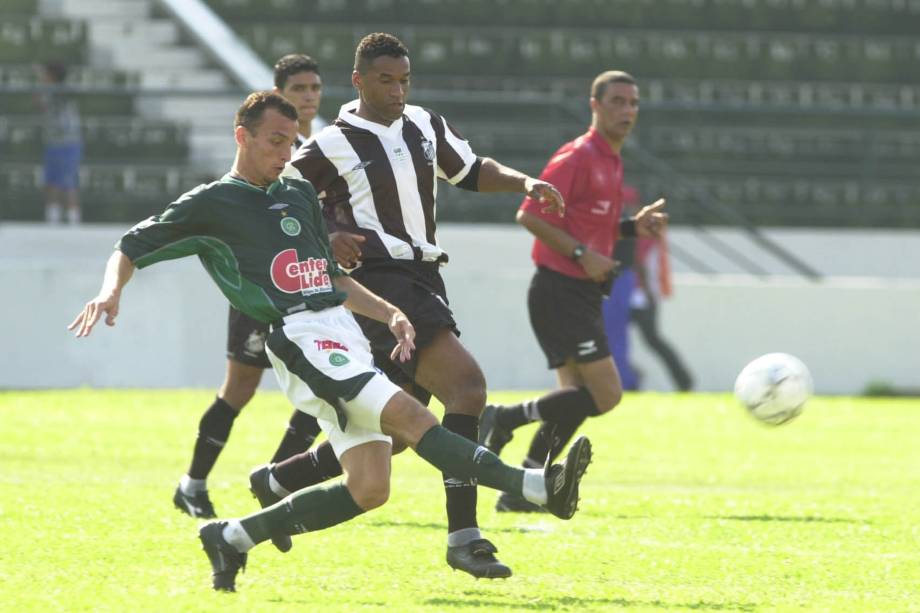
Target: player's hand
{"points": [[346, 248], [651, 220], [546, 192], [598, 267], [87, 318], [404, 332]]}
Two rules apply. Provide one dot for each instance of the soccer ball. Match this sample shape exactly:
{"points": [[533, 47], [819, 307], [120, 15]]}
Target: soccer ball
{"points": [[774, 387]]}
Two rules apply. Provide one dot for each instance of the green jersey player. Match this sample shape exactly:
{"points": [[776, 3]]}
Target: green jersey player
{"points": [[263, 242]]}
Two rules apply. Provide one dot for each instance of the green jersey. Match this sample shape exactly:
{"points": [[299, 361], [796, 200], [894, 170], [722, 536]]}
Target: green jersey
{"points": [[267, 249]]}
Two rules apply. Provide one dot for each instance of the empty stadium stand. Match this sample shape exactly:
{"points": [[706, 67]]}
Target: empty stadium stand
{"points": [[791, 112]]}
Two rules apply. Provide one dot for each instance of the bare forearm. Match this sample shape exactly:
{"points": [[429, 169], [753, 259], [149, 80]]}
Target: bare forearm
{"points": [[495, 177], [118, 271], [362, 301], [552, 236]]}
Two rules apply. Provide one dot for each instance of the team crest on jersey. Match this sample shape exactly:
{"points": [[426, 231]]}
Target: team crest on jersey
{"points": [[338, 359], [428, 150], [305, 277], [290, 226]]}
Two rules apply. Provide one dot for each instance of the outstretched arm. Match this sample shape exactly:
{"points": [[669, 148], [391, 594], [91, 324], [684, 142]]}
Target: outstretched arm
{"points": [[364, 302], [495, 177], [118, 272]]}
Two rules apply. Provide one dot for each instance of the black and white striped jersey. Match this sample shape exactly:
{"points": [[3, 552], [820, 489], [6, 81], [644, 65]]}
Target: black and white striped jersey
{"points": [[380, 181]]}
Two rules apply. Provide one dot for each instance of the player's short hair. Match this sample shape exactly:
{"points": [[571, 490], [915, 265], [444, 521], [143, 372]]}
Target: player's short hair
{"points": [[376, 45], [601, 81], [249, 115], [291, 64]]}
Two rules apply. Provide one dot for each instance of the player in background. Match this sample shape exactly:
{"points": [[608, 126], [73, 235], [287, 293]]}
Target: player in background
{"points": [[376, 169], [281, 270], [574, 268], [296, 78]]}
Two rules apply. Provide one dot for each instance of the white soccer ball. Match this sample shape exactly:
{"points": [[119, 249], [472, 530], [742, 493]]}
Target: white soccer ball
{"points": [[774, 387]]}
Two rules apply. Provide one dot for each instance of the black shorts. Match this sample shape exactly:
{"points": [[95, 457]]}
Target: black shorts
{"points": [[246, 340], [566, 317], [418, 289]]}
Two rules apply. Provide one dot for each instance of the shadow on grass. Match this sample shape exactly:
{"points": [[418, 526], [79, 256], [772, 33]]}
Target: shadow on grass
{"points": [[805, 519], [574, 603], [385, 523]]}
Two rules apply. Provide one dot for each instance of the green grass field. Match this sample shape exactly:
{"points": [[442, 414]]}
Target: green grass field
{"points": [[689, 505]]}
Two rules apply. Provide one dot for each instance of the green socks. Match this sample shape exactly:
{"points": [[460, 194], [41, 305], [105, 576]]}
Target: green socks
{"points": [[307, 510], [464, 459]]}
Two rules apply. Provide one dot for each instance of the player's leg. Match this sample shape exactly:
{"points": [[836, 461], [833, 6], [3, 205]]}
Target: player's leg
{"points": [[448, 370], [238, 387], [571, 333], [246, 361], [366, 486], [367, 468]]}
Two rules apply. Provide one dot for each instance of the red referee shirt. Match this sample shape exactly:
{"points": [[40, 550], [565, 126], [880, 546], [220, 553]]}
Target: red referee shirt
{"points": [[590, 177]]}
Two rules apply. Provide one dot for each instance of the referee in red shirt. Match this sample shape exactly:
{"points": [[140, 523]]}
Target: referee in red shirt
{"points": [[573, 258]]}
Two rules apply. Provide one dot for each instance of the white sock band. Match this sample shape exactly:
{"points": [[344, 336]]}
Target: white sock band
{"points": [[190, 486], [276, 487], [235, 535], [534, 485], [463, 536]]}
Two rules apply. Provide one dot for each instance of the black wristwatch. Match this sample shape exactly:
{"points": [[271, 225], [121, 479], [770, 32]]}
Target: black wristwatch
{"points": [[577, 252]]}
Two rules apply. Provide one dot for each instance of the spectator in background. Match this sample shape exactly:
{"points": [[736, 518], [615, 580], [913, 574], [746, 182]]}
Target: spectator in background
{"points": [[616, 308], [652, 283], [63, 146]]}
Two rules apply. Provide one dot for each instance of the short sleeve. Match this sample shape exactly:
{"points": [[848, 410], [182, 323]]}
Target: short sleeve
{"points": [[560, 171], [454, 155], [175, 233]]}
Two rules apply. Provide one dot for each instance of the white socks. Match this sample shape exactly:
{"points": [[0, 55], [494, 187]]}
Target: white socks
{"points": [[190, 486], [235, 535], [534, 488], [463, 536]]}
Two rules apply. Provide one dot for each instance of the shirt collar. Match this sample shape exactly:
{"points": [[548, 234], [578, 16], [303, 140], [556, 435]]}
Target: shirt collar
{"points": [[348, 115], [229, 178], [600, 143]]}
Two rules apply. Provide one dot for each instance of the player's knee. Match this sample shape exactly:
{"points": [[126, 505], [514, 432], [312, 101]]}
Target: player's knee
{"points": [[606, 398], [370, 494], [240, 385], [405, 419], [469, 398]]}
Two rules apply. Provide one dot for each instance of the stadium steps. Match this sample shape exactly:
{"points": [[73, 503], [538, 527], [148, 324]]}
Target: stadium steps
{"points": [[128, 35]]}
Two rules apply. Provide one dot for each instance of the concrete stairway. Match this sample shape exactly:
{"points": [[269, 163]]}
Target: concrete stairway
{"points": [[175, 76]]}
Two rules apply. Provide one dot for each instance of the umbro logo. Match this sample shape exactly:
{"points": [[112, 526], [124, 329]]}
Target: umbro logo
{"points": [[587, 347], [361, 165]]}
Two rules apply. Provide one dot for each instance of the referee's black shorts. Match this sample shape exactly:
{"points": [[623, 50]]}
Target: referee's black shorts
{"points": [[566, 317], [418, 289], [246, 340]]}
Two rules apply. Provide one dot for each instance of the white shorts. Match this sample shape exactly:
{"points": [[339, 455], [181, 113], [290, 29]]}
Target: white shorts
{"points": [[323, 364]]}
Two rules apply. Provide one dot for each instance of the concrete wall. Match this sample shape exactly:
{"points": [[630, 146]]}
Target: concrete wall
{"points": [[172, 330]]}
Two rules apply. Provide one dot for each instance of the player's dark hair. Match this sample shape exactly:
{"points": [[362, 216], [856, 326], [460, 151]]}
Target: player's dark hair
{"points": [[376, 45], [250, 113], [56, 70], [292, 64], [601, 81]]}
